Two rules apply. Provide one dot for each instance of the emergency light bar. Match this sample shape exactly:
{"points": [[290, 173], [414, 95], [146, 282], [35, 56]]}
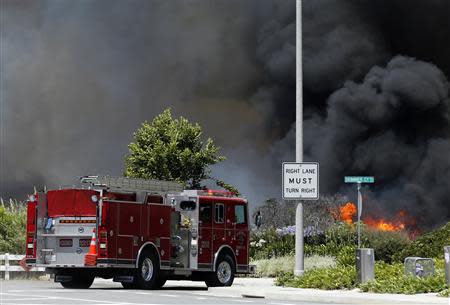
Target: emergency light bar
{"points": [[218, 193]]}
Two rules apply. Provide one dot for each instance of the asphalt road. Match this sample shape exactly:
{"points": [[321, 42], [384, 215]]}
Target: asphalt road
{"points": [[109, 293]]}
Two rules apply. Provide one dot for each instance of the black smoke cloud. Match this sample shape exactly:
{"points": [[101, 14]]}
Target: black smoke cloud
{"points": [[79, 77], [373, 112], [394, 125]]}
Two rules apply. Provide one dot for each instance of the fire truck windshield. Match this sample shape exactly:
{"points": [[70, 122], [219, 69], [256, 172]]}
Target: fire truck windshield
{"points": [[187, 205]]}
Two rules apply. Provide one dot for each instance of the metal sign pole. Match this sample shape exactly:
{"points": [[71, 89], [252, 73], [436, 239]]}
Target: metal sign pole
{"points": [[359, 214], [299, 265]]}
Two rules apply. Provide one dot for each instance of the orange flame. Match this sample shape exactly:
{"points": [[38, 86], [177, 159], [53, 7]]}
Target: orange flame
{"points": [[348, 211], [384, 225]]}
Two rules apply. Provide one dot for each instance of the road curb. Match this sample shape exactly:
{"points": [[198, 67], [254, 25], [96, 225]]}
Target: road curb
{"points": [[329, 296]]}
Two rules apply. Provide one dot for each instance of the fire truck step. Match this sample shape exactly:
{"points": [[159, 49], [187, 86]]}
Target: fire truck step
{"points": [[123, 278]]}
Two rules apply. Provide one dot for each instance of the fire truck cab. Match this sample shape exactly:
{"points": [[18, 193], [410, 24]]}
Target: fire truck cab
{"points": [[146, 232]]}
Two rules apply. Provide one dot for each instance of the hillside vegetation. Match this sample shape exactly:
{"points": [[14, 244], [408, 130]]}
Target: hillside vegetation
{"points": [[12, 227]]}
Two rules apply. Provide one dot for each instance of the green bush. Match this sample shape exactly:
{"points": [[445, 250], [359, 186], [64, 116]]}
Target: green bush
{"points": [[266, 244], [341, 238], [428, 245], [445, 293], [340, 235], [339, 277], [13, 228], [347, 256], [386, 244], [339, 241], [391, 279]]}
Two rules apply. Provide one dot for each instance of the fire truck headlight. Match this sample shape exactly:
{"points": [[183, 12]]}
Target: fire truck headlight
{"points": [[94, 198], [32, 198]]}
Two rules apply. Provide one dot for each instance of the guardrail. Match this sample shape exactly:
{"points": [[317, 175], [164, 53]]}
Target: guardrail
{"points": [[7, 267]]}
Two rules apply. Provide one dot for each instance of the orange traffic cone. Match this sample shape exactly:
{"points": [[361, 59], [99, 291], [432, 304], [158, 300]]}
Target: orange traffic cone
{"points": [[91, 257]]}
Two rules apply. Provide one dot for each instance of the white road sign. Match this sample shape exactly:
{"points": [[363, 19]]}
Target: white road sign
{"points": [[301, 181]]}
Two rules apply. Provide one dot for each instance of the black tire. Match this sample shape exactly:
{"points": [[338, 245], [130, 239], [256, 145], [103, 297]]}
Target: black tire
{"points": [[80, 281], [224, 274], [127, 285], [148, 271], [160, 282]]}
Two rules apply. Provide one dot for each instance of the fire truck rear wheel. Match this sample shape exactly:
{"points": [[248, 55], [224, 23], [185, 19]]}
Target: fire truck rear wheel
{"points": [[148, 271], [224, 274], [80, 281], [128, 285]]}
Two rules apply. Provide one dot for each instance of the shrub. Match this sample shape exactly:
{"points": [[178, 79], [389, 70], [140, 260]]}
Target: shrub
{"points": [[269, 243], [341, 239], [445, 293], [347, 256], [386, 244], [339, 277], [391, 279], [428, 245], [339, 236], [12, 227]]}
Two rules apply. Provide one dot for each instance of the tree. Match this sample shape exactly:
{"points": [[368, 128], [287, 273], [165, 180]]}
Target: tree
{"points": [[171, 149]]}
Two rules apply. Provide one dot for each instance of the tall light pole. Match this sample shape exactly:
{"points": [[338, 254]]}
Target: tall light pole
{"points": [[299, 265]]}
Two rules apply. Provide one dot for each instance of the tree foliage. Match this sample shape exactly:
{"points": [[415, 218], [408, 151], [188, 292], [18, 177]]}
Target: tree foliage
{"points": [[12, 227], [171, 149]]}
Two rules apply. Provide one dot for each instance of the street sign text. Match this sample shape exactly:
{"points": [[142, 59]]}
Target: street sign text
{"points": [[301, 181], [356, 179]]}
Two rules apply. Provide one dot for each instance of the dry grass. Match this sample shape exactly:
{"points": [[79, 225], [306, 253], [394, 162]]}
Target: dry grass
{"points": [[273, 267]]}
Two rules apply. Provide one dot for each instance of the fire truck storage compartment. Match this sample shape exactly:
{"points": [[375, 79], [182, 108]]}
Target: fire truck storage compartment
{"points": [[65, 222], [131, 224]]}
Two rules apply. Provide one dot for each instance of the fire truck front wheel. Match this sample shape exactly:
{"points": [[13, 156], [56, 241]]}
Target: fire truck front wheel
{"points": [[224, 274], [148, 271]]}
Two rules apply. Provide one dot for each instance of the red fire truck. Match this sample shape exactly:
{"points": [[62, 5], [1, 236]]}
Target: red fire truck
{"points": [[148, 231]]}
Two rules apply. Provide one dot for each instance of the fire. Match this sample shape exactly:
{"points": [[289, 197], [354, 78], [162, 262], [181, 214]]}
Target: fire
{"points": [[348, 211], [384, 225]]}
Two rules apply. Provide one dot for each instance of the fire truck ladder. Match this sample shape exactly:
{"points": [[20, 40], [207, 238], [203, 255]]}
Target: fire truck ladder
{"points": [[132, 184]]}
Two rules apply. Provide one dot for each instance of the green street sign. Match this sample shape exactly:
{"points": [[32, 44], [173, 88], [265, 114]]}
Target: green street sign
{"points": [[355, 179]]}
